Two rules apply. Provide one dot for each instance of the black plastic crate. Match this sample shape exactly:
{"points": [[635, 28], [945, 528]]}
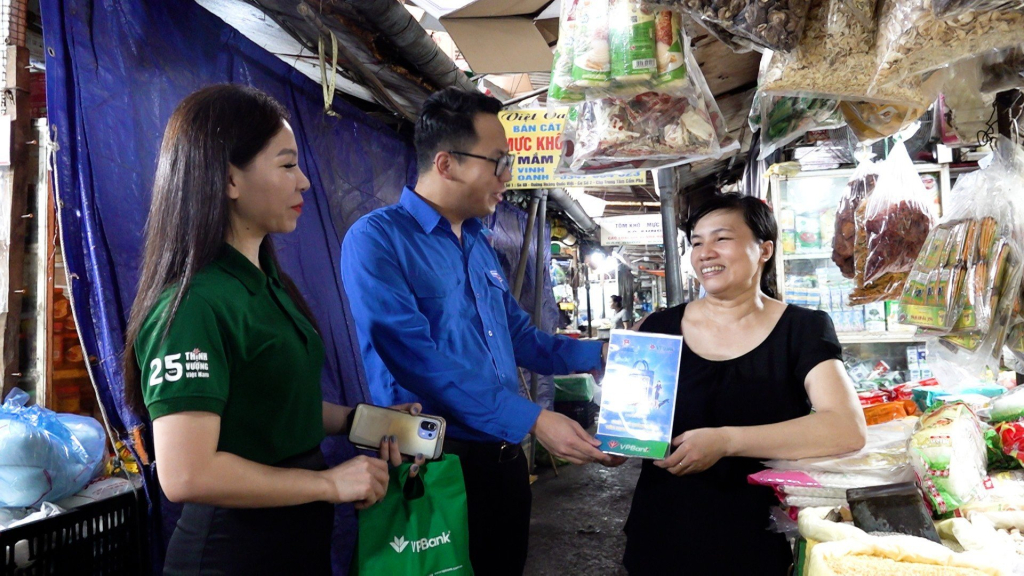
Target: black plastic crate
{"points": [[103, 537]]}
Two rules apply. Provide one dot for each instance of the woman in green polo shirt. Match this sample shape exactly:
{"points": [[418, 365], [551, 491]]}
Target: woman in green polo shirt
{"points": [[225, 355]]}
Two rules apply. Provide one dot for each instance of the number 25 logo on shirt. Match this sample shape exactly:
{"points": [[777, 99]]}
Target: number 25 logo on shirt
{"points": [[196, 366]]}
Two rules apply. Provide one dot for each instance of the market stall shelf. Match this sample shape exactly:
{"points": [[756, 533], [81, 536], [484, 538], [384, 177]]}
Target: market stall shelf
{"points": [[876, 337]]}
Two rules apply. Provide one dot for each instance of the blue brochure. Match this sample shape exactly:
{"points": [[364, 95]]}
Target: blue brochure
{"points": [[638, 394]]}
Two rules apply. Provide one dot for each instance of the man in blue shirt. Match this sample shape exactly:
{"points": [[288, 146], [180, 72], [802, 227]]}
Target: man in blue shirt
{"points": [[437, 324]]}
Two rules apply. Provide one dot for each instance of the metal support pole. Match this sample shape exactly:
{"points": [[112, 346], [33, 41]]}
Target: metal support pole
{"points": [[667, 183], [517, 287], [627, 289], [539, 270], [590, 311]]}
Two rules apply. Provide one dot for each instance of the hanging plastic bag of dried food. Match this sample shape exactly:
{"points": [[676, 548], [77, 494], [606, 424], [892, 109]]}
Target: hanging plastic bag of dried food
{"points": [[1003, 70], [815, 70], [591, 64], [784, 119], [963, 110], [651, 130], [858, 188], [888, 286], [943, 288], [992, 301], [912, 40], [870, 122], [601, 135], [771, 24], [998, 194], [563, 91], [897, 220]]}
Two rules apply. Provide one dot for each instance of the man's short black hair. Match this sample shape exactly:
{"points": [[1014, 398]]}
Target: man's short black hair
{"points": [[446, 123]]}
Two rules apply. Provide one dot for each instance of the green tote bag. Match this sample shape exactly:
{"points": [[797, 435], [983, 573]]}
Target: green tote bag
{"points": [[420, 528]]}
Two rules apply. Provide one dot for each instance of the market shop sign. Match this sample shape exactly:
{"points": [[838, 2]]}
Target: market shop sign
{"points": [[535, 137], [637, 229]]}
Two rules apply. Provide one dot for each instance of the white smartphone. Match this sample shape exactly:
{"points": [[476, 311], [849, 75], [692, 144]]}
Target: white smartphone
{"points": [[420, 434]]}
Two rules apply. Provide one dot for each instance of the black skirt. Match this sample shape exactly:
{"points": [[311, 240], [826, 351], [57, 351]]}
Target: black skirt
{"points": [[211, 540]]}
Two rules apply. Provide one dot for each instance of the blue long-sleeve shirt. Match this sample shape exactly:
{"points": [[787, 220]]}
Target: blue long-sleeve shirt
{"points": [[437, 324]]}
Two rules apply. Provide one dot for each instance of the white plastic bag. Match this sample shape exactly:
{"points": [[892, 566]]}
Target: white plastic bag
{"points": [[948, 453]]}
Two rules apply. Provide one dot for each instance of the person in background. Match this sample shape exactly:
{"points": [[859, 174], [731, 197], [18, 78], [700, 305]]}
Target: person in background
{"points": [[437, 324], [619, 319], [225, 356], [757, 380]]}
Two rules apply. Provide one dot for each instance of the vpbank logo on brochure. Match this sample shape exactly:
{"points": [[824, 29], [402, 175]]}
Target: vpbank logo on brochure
{"points": [[639, 394], [631, 448], [400, 543]]}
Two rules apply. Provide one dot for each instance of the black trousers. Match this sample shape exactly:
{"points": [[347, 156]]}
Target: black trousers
{"points": [[498, 496], [216, 541]]}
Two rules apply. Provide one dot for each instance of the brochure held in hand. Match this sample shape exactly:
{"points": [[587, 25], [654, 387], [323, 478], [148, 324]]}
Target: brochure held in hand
{"points": [[638, 395]]}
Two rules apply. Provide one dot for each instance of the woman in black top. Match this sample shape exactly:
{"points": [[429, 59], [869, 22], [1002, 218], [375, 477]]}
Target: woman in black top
{"points": [[752, 369]]}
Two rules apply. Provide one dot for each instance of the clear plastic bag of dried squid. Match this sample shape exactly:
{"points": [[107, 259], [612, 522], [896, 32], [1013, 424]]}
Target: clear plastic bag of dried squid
{"points": [[896, 221], [770, 24], [678, 124], [851, 253], [860, 185], [912, 40]]}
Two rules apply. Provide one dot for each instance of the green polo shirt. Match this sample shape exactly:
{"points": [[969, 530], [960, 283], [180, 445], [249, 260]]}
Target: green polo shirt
{"points": [[240, 348]]}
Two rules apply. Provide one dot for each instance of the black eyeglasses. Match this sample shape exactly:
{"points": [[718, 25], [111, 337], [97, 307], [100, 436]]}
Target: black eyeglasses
{"points": [[501, 163]]}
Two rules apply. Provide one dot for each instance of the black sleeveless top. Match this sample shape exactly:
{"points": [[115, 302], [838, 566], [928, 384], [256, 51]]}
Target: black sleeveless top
{"points": [[714, 522]]}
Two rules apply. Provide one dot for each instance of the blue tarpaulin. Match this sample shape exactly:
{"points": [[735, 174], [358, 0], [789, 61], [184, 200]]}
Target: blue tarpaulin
{"points": [[115, 72]]}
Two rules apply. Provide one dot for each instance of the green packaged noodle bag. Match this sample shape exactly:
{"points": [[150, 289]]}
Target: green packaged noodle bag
{"points": [[631, 36], [591, 61]]}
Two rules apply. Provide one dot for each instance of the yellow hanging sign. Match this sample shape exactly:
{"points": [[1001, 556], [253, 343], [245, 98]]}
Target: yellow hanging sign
{"points": [[535, 138]]}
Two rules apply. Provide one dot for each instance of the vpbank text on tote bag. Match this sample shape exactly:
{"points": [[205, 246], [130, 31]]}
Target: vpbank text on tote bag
{"points": [[420, 528]]}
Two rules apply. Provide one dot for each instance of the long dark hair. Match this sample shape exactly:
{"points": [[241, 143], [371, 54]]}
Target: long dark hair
{"points": [[214, 127], [758, 217]]}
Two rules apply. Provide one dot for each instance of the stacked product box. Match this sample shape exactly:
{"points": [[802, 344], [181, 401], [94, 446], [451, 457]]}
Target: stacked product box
{"points": [[845, 317], [917, 363]]}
